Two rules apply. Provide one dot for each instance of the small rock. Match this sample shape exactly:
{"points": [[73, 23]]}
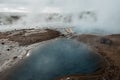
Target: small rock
{"points": [[8, 49], [105, 41], [15, 57], [2, 43]]}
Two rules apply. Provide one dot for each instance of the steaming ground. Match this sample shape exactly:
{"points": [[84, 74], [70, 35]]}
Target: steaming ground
{"points": [[85, 22], [83, 16]]}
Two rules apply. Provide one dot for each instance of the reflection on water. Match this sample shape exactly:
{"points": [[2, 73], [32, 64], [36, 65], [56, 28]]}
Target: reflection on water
{"points": [[57, 59]]}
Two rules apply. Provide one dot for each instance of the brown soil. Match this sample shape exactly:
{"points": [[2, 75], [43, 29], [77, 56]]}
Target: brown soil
{"points": [[23, 40]]}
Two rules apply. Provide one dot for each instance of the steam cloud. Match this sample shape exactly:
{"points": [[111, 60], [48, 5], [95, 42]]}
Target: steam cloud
{"points": [[87, 16]]}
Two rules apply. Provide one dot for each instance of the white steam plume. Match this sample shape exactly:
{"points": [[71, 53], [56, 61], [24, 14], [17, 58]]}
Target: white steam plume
{"points": [[86, 15]]}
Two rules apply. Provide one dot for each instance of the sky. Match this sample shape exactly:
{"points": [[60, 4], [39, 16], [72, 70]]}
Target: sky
{"points": [[64, 5]]}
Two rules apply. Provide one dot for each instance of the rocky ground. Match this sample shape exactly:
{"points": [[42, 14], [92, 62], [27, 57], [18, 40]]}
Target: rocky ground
{"points": [[17, 42]]}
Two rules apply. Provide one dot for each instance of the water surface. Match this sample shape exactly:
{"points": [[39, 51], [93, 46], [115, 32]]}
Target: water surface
{"points": [[59, 58]]}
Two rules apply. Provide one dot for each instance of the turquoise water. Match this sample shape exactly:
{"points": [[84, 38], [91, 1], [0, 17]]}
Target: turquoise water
{"points": [[57, 59]]}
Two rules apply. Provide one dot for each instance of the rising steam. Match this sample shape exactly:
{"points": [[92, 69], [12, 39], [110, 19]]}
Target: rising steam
{"points": [[87, 16]]}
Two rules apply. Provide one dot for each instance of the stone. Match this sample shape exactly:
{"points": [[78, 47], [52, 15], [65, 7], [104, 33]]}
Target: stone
{"points": [[106, 41]]}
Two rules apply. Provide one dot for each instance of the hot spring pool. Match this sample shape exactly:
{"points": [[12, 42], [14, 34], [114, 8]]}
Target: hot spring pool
{"points": [[59, 58]]}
